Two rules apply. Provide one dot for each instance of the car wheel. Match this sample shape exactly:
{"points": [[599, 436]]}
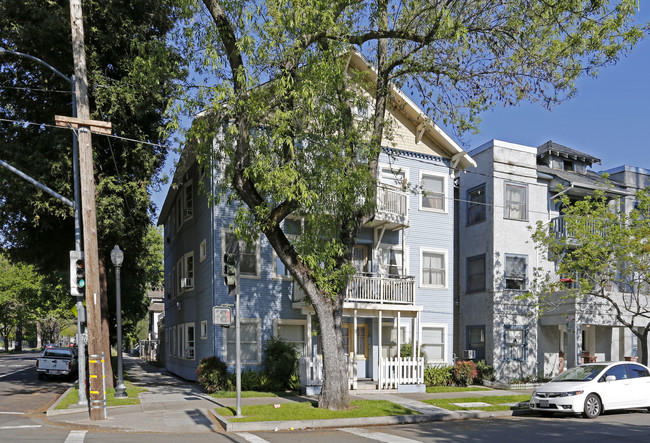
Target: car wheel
{"points": [[593, 406]]}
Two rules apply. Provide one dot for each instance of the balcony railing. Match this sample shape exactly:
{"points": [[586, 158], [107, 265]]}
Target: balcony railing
{"points": [[374, 288], [392, 205], [561, 228]]}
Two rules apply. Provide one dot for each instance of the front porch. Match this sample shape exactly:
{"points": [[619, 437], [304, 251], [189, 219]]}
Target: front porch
{"points": [[372, 341]]}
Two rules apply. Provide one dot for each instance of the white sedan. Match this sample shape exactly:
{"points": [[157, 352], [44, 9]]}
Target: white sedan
{"points": [[593, 388]]}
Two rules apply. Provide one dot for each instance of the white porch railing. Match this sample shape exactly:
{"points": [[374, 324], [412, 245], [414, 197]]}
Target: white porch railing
{"points": [[375, 288], [400, 371], [393, 203], [311, 371]]}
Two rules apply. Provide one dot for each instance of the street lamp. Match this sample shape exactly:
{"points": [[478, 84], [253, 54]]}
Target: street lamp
{"points": [[81, 346], [117, 257]]}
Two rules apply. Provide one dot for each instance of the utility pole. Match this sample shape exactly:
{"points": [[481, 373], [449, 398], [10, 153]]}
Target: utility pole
{"points": [[87, 181]]}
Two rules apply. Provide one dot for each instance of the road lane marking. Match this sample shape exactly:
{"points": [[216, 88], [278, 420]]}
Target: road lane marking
{"points": [[19, 427], [12, 413], [76, 437], [252, 438], [379, 436], [16, 372]]}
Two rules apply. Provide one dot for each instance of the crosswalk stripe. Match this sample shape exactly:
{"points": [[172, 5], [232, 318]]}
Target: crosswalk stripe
{"points": [[19, 427], [76, 437], [379, 436], [252, 438]]}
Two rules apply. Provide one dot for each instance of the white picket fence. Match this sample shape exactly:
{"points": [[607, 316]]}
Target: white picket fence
{"points": [[392, 372], [400, 371]]}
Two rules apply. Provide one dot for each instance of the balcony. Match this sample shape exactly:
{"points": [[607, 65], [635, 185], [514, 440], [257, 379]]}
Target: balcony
{"points": [[374, 288], [392, 208], [560, 227]]}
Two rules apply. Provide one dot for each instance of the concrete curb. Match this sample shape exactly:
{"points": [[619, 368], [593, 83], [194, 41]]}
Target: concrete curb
{"points": [[350, 422]]}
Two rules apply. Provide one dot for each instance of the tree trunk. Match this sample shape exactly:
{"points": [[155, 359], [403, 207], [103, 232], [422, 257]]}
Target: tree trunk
{"points": [[19, 337], [643, 338], [105, 330], [335, 393]]}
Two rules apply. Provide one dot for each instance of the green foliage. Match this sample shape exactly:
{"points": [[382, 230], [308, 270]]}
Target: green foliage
{"points": [[280, 364], [602, 255], [250, 380], [212, 375], [438, 375], [483, 372], [407, 351], [463, 372]]}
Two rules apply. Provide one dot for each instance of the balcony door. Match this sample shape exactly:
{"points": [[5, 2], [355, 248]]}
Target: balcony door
{"points": [[391, 262], [360, 258]]}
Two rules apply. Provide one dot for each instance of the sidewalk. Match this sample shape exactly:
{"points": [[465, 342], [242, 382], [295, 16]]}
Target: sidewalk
{"points": [[174, 405]]}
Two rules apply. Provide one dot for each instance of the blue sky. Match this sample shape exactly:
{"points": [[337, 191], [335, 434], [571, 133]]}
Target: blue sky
{"points": [[609, 117]]}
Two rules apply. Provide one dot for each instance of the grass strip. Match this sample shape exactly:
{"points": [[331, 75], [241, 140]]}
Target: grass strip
{"points": [[498, 402], [438, 389], [131, 390], [251, 394], [309, 411]]}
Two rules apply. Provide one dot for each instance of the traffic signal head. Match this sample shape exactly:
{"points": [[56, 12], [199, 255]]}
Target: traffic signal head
{"points": [[77, 273], [230, 269]]}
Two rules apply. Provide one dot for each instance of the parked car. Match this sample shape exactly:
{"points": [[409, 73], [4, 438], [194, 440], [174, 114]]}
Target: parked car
{"points": [[56, 361], [590, 389]]}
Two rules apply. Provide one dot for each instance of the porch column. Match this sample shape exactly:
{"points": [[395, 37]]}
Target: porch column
{"points": [[354, 357], [399, 353], [310, 350], [379, 363]]}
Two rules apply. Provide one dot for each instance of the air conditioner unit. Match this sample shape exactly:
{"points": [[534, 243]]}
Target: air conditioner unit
{"points": [[469, 354], [187, 283]]}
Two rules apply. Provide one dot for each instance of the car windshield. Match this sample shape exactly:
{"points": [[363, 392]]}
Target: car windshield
{"points": [[581, 373]]}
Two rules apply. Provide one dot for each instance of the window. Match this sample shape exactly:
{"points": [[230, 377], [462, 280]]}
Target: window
{"points": [[476, 273], [204, 329], [249, 255], [516, 202], [476, 340], [516, 272], [251, 351], [189, 342], [568, 165], [391, 261], [292, 331], [178, 276], [203, 250], [637, 371], [393, 176], [433, 192], [389, 340], [434, 342], [617, 371], [360, 258], [434, 268], [188, 201], [188, 269], [279, 269], [515, 342], [476, 205]]}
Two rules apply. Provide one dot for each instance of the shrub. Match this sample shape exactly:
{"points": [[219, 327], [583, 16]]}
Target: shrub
{"points": [[407, 351], [464, 372], [280, 363], [212, 375], [250, 380], [437, 375], [483, 372]]}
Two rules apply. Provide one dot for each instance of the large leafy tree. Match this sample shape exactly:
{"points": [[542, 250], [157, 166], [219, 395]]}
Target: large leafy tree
{"points": [[20, 286], [605, 255], [295, 142], [132, 72]]}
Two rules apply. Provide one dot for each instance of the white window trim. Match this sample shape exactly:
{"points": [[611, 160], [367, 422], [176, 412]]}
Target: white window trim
{"points": [[186, 348], [203, 251], [204, 330], [242, 243], [189, 184], [505, 200], [393, 247], [446, 261], [275, 274], [258, 324], [185, 273], [445, 185], [445, 336], [279, 322], [395, 168]]}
